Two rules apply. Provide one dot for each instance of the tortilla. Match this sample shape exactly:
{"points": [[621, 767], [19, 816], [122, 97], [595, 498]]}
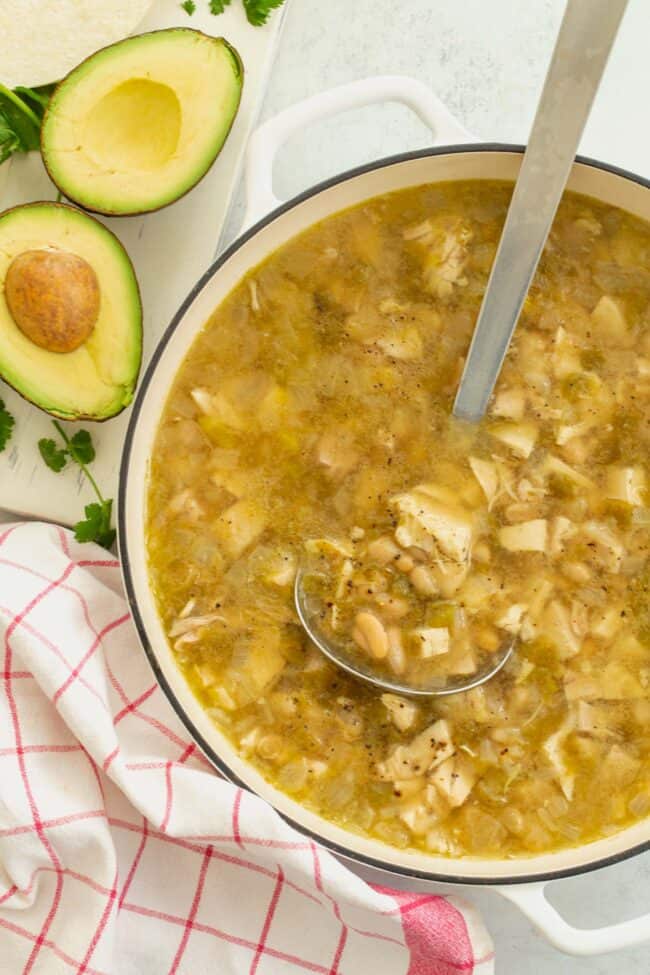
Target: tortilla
{"points": [[44, 39]]}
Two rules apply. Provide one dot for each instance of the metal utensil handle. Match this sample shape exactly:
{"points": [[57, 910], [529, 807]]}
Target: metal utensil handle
{"points": [[585, 39], [266, 141]]}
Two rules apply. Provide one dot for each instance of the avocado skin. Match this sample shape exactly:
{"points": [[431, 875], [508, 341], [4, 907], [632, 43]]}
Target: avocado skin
{"points": [[72, 417], [108, 211], [80, 415]]}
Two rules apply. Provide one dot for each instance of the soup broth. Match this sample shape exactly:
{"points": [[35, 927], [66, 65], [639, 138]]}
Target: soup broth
{"points": [[311, 423]]}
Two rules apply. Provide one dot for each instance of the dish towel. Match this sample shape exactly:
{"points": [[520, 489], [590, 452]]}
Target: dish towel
{"points": [[122, 852]]}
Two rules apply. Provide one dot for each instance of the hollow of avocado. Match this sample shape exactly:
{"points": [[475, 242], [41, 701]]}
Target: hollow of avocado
{"points": [[70, 312], [139, 123]]}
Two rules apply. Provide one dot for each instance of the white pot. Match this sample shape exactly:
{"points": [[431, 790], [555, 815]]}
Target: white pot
{"points": [[521, 880]]}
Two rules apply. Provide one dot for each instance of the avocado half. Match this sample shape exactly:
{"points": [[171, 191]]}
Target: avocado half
{"points": [[139, 123], [97, 379]]}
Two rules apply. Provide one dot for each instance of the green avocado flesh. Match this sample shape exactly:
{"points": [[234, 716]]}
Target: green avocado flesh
{"points": [[98, 379], [137, 124]]}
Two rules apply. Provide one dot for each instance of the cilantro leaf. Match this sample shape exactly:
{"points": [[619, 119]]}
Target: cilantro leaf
{"points": [[188, 6], [6, 424], [96, 526], [9, 140], [55, 457], [259, 11], [21, 114], [81, 448]]}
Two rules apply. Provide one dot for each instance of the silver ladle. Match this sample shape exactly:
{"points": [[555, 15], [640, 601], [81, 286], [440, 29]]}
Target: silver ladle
{"points": [[586, 36]]}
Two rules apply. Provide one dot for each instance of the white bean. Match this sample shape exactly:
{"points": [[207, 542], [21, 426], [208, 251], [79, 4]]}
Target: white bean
{"points": [[396, 655], [392, 607], [424, 581], [370, 635], [383, 550]]}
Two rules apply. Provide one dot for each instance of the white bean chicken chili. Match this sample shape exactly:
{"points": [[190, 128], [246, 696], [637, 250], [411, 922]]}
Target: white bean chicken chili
{"points": [[311, 421]]}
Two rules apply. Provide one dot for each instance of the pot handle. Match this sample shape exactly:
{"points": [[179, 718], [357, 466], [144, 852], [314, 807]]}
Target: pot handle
{"points": [[531, 900], [265, 142]]}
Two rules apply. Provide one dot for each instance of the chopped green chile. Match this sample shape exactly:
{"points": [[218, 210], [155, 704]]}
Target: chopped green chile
{"points": [[311, 421]]}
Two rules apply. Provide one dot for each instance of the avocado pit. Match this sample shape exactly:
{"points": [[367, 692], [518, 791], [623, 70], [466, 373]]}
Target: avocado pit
{"points": [[53, 298]]}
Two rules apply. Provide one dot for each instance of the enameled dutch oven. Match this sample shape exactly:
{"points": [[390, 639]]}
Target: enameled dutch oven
{"points": [[454, 157]]}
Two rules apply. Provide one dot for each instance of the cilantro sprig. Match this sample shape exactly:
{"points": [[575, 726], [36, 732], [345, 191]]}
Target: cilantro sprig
{"points": [[6, 426], [21, 114], [96, 526], [257, 11]]}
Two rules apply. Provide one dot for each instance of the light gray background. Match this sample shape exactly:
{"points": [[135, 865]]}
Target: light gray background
{"points": [[486, 59]]}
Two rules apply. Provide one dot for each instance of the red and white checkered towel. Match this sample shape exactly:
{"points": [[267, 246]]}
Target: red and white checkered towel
{"points": [[121, 850]]}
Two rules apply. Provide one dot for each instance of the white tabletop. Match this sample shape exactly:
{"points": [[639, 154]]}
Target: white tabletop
{"points": [[486, 59]]}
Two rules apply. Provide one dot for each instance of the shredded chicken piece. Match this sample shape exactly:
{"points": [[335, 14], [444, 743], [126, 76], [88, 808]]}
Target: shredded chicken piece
{"points": [[346, 573], [487, 475], [445, 263], [607, 548], [554, 465], [446, 241], [187, 609], [191, 637], [509, 403], [559, 628], [554, 750], [455, 779], [419, 230], [512, 619], [239, 526], [566, 432], [520, 437], [218, 405], [427, 750], [338, 548], [188, 624], [565, 357], [427, 524], [402, 711]]}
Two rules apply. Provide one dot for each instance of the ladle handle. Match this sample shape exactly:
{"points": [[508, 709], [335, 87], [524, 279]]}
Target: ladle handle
{"points": [[585, 39]]}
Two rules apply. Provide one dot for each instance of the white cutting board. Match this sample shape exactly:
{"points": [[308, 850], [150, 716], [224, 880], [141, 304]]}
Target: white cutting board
{"points": [[169, 249]]}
